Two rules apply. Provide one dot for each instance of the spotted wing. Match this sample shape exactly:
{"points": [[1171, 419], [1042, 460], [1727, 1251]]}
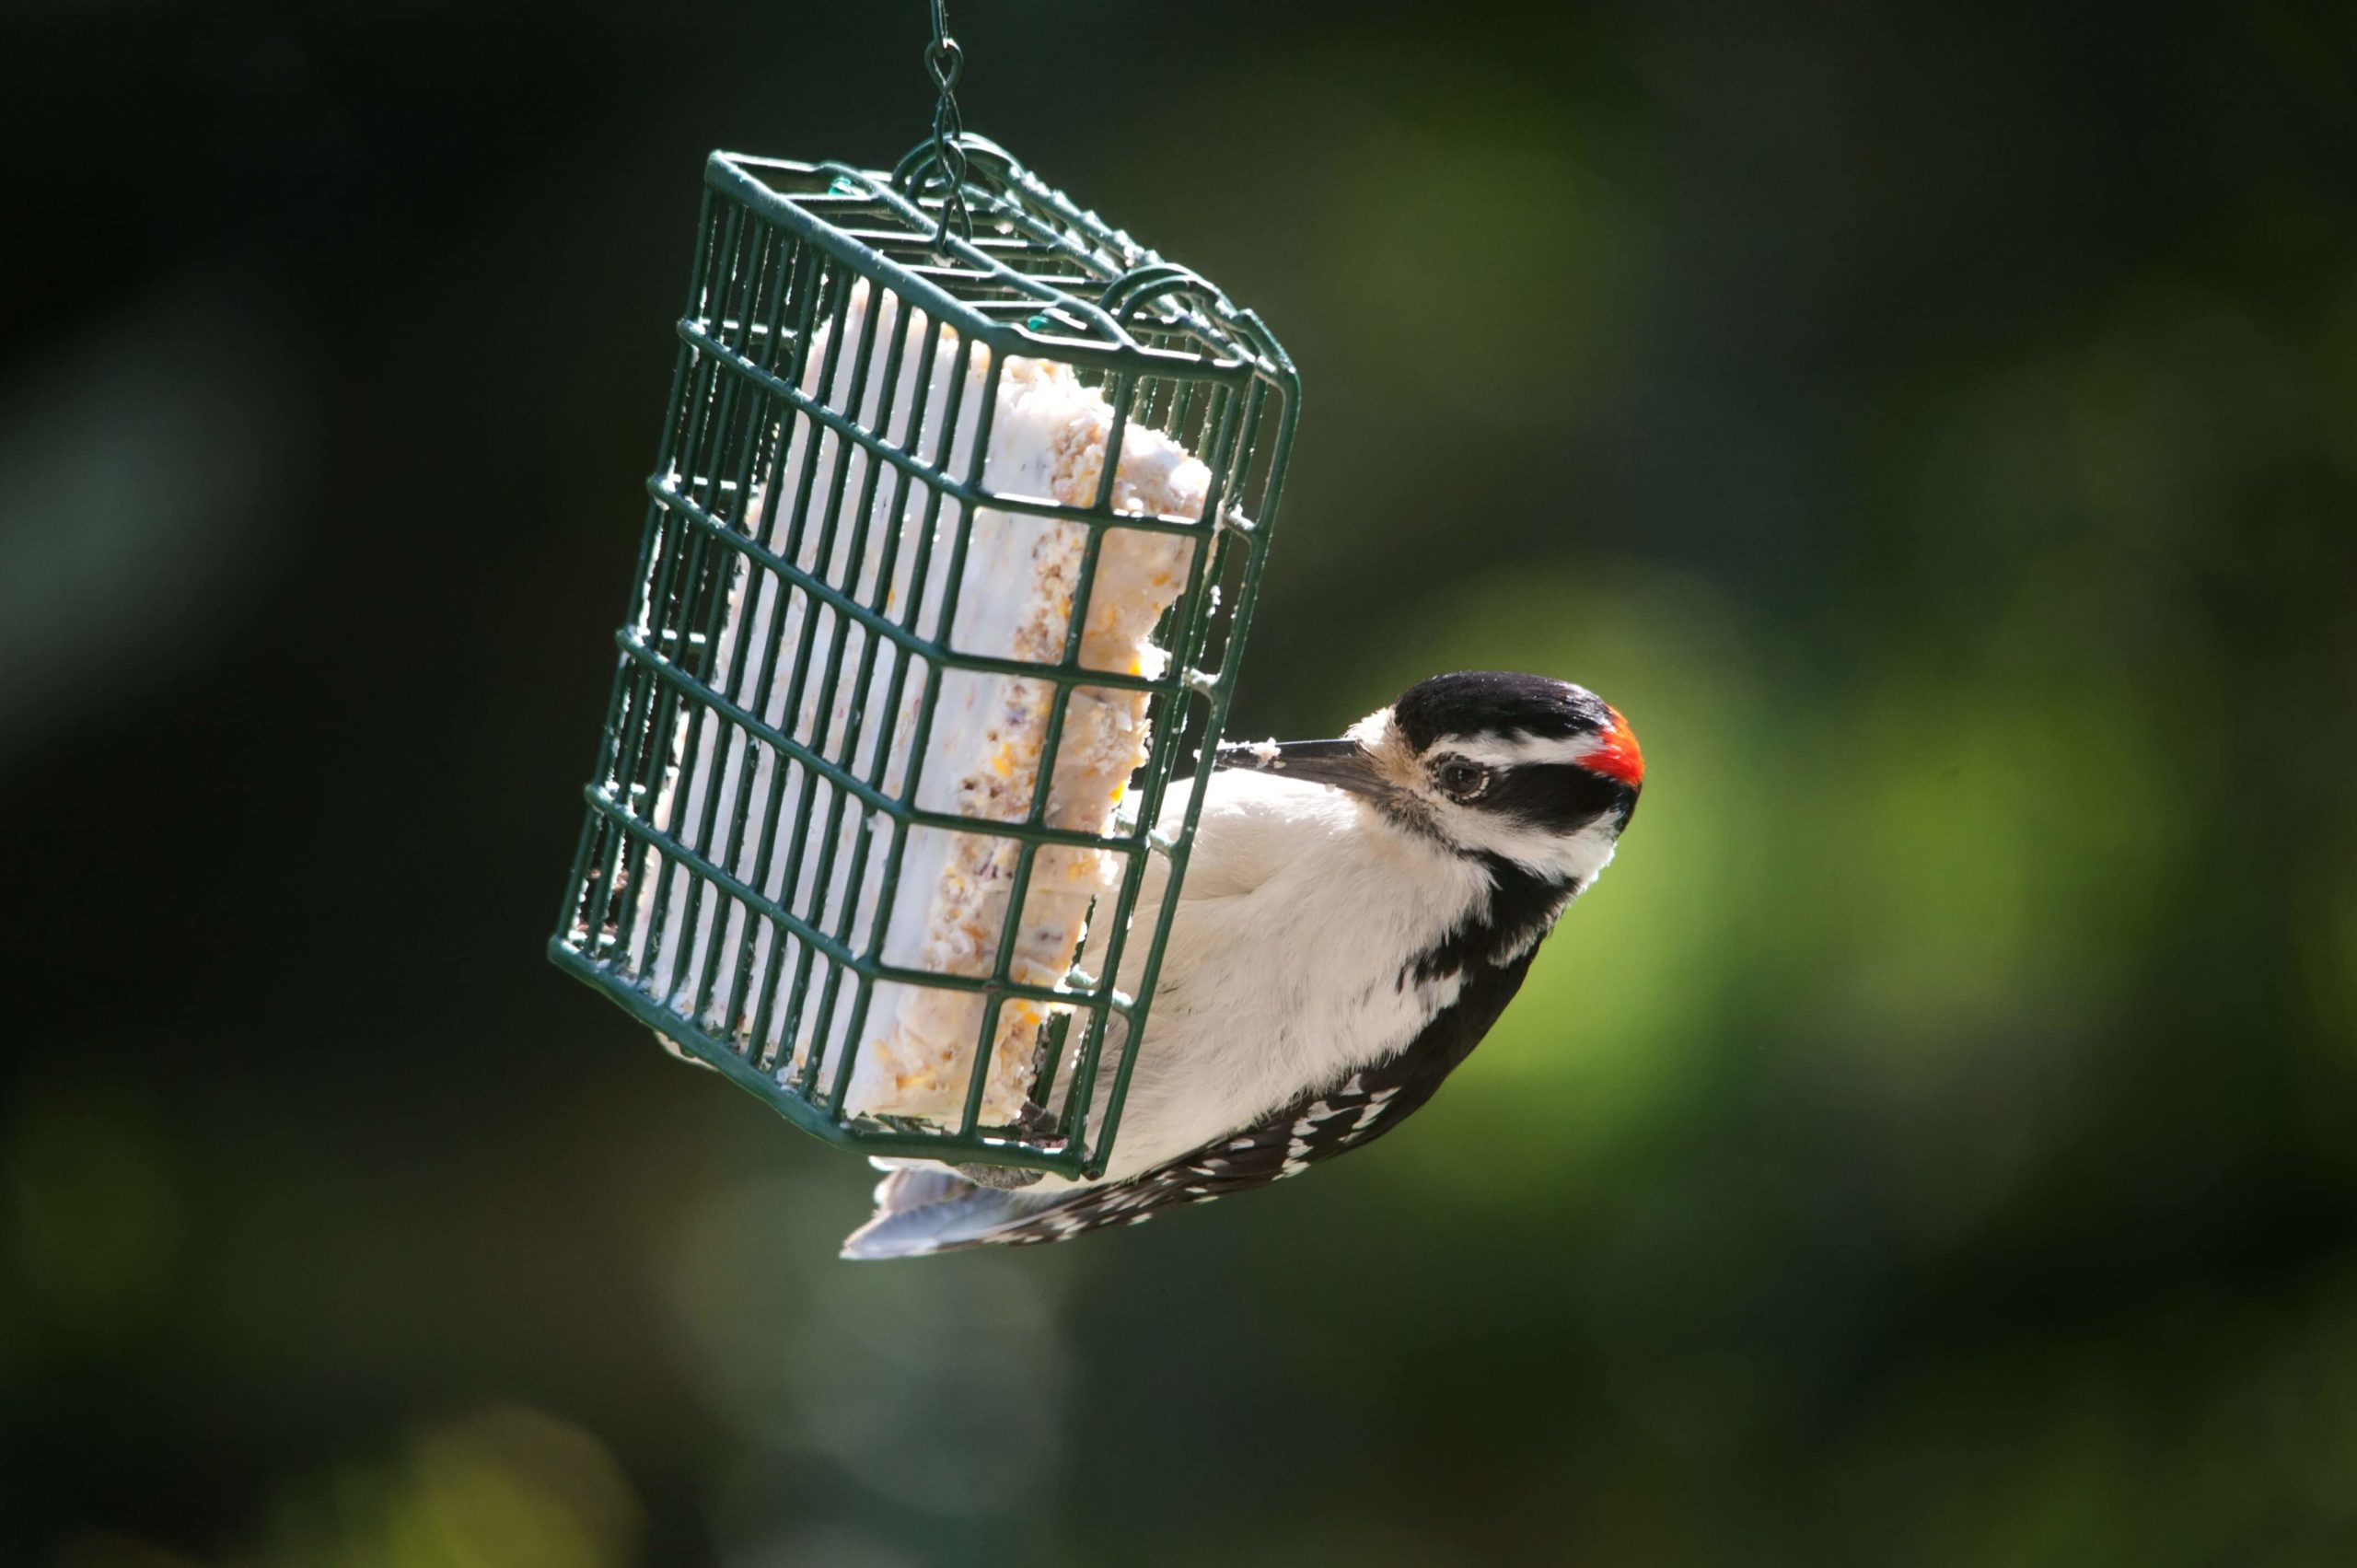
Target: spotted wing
{"points": [[1319, 1125]]}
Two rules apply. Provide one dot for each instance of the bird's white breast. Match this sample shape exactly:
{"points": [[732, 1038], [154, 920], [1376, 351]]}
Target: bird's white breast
{"points": [[1296, 922]]}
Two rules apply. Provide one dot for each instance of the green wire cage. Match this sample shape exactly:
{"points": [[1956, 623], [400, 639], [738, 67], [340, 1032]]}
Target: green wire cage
{"points": [[929, 513]]}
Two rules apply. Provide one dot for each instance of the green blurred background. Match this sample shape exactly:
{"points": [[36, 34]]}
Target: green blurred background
{"points": [[1935, 1142]]}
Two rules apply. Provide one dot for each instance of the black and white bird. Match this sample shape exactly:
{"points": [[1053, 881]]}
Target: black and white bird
{"points": [[1356, 916]]}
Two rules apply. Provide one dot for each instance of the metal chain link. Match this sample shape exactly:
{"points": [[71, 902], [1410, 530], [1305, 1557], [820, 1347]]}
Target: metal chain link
{"points": [[944, 61]]}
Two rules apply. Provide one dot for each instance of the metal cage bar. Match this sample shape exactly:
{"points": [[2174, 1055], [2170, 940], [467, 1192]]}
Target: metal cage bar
{"points": [[696, 899]]}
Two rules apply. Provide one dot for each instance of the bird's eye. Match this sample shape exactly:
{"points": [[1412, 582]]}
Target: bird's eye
{"points": [[1463, 779]]}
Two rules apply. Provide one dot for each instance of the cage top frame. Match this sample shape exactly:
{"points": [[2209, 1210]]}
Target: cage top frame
{"points": [[1087, 295], [1089, 318]]}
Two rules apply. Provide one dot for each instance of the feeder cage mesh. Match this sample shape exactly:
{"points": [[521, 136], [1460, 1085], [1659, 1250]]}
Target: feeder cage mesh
{"points": [[951, 548]]}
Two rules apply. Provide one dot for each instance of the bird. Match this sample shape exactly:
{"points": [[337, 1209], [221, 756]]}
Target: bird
{"points": [[1355, 915]]}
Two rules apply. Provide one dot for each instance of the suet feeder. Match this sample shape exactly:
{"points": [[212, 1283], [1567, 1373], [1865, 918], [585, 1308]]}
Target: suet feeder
{"points": [[952, 542]]}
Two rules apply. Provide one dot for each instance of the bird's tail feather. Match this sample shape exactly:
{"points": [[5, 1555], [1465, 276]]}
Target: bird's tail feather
{"points": [[922, 1208]]}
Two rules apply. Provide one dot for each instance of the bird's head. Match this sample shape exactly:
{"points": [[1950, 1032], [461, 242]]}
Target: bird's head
{"points": [[1520, 768]]}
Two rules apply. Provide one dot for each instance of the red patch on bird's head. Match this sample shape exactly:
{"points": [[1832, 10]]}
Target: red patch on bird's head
{"points": [[1616, 754]]}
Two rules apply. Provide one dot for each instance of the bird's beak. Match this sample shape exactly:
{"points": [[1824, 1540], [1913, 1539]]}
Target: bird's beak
{"points": [[1344, 764]]}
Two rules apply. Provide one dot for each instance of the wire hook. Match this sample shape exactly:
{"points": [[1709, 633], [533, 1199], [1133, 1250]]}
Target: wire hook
{"points": [[944, 63]]}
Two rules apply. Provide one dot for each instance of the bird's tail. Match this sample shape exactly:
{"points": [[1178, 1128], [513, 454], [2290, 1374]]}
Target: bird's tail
{"points": [[921, 1208]]}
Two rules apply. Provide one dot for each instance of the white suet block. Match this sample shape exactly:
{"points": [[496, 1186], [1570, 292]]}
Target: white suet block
{"points": [[1049, 434]]}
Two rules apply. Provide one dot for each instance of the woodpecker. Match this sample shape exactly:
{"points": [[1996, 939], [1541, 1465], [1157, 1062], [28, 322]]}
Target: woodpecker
{"points": [[1356, 916]]}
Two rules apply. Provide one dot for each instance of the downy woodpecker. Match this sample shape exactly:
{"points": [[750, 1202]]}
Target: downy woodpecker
{"points": [[1355, 915]]}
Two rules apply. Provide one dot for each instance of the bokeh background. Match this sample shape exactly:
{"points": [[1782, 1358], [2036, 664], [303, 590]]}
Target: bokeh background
{"points": [[1935, 1141]]}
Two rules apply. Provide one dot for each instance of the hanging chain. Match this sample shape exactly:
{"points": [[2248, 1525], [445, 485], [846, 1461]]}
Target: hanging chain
{"points": [[943, 62]]}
